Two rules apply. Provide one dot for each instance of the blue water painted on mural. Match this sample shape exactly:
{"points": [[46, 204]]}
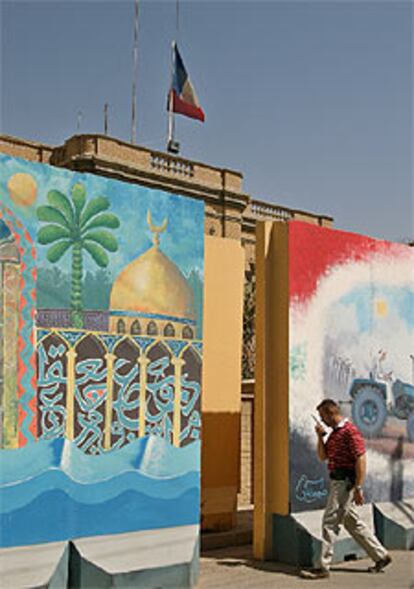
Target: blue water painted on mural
{"points": [[64, 493]]}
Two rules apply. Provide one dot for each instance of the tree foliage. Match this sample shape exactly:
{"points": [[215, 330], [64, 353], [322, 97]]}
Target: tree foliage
{"points": [[80, 226], [249, 313]]}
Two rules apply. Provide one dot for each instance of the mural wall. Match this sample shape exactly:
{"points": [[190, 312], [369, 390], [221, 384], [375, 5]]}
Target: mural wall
{"points": [[351, 339], [100, 357]]}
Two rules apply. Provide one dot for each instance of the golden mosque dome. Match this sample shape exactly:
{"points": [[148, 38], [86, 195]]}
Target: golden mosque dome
{"points": [[153, 284]]}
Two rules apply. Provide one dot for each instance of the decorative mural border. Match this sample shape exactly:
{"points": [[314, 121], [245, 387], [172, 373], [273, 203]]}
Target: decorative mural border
{"points": [[26, 342], [114, 313]]}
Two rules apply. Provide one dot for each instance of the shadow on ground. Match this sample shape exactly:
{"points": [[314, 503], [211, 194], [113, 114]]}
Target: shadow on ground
{"points": [[242, 556], [235, 568], [336, 569]]}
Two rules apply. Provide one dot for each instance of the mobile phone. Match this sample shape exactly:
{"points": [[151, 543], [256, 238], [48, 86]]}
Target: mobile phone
{"points": [[316, 420]]}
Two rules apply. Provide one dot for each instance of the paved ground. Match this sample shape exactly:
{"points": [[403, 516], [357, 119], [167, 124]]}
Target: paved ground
{"points": [[234, 568]]}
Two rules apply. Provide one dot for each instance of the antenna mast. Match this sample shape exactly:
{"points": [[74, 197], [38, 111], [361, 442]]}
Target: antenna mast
{"points": [[134, 77], [79, 118], [106, 118]]}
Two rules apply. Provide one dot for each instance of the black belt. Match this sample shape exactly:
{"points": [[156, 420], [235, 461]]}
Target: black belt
{"points": [[343, 474]]}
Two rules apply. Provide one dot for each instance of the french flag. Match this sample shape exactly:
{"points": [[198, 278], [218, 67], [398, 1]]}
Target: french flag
{"points": [[183, 99]]}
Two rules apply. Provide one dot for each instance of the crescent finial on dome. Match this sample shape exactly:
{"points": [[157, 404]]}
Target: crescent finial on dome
{"points": [[156, 230]]}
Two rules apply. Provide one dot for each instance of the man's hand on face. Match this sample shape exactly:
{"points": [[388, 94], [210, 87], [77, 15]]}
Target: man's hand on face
{"points": [[358, 496], [320, 430]]}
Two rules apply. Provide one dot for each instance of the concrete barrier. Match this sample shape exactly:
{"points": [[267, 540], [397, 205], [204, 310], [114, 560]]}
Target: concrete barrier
{"points": [[297, 538], [394, 524]]}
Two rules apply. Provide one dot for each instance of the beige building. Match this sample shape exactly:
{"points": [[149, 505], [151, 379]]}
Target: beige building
{"points": [[230, 222]]}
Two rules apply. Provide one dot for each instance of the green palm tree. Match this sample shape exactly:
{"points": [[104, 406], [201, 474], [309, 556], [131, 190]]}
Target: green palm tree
{"points": [[81, 226]]}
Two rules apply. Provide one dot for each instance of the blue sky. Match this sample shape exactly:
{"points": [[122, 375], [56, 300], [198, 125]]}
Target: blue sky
{"points": [[182, 240], [311, 101]]}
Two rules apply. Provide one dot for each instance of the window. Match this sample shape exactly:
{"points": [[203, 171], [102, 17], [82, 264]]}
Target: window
{"points": [[169, 330], [136, 327], [152, 328], [188, 332], [120, 326]]}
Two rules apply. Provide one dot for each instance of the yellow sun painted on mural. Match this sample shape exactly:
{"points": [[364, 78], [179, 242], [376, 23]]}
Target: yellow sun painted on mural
{"points": [[381, 307], [22, 189]]}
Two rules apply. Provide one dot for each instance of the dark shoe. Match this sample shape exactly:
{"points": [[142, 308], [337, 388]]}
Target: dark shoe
{"points": [[314, 574], [380, 565]]}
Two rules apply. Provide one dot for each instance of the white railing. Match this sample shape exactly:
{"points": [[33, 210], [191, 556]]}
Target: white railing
{"points": [[263, 209], [170, 165]]}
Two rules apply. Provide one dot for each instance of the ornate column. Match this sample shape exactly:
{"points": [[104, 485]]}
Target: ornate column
{"points": [[110, 359], [9, 328], [143, 363], [70, 394], [178, 365]]}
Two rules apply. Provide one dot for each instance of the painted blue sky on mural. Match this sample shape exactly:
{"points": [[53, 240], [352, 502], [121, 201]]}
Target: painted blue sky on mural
{"points": [[396, 302], [182, 241]]}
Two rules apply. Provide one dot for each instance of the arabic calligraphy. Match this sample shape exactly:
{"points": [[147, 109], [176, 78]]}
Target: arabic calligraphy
{"points": [[90, 395], [51, 387], [190, 398], [160, 393], [125, 408], [92, 415]]}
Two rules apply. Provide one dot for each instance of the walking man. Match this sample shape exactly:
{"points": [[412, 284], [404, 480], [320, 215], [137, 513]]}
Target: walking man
{"points": [[344, 450]]}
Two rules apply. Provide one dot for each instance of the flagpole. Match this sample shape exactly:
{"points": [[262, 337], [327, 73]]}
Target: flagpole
{"points": [[177, 20], [172, 145], [134, 77], [171, 120]]}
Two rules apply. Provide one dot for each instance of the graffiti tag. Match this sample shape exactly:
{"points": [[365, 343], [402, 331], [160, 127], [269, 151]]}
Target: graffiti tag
{"points": [[309, 491]]}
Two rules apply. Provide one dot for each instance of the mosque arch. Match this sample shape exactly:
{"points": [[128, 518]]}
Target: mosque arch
{"points": [[160, 391], [169, 330], [125, 410], [120, 326], [188, 332], [152, 328], [90, 376], [191, 397], [52, 372], [136, 327]]}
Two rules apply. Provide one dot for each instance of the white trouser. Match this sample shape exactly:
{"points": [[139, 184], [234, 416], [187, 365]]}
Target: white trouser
{"points": [[389, 395], [340, 509]]}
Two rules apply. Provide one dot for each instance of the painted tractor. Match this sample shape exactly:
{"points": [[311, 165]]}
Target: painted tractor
{"points": [[369, 405]]}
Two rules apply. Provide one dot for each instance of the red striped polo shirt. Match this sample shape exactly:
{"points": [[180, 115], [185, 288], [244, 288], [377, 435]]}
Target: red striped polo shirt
{"points": [[344, 445]]}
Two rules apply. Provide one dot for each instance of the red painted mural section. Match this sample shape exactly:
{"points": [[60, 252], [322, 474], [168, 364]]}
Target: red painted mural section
{"points": [[314, 250]]}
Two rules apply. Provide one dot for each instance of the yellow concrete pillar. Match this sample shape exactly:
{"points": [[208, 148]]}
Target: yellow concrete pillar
{"points": [[271, 402], [221, 398], [70, 394]]}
